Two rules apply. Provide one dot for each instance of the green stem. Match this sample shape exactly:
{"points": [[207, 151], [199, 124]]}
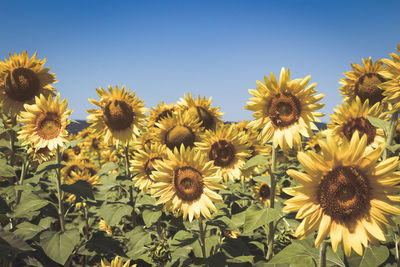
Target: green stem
{"points": [[60, 194], [86, 214], [392, 131], [133, 201], [24, 169], [99, 158], [202, 239], [271, 232], [12, 140], [322, 254], [127, 165]]}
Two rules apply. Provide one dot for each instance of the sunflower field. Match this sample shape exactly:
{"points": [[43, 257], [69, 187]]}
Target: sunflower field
{"points": [[175, 185]]}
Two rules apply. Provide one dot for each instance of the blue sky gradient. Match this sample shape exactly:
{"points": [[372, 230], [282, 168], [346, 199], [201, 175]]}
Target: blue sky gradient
{"points": [[163, 49]]}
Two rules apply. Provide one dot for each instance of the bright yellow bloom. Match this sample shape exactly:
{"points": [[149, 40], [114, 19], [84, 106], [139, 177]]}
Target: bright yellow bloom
{"points": [[160, 112], [21, 80], [345, 193], [262, 193], [185, 183], [121, 115], [104, 226], [392, 86], [116, 262], [44, 123], [284, 110]]}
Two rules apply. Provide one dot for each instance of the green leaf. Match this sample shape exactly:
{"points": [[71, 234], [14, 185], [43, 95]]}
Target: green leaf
{"points": [[145, 200], [138, 241], [255, 161], [256, 217], [106, 168], [28, 230], [384, 125], [50, 165], [11, 243], [5, 143], [7, 171], [393, 148], [73, 143], [113, 213], [150, 217], [81, 189], [30, 205], [4, 208], [263, 179], [374, 256], [103, 244], [183, 238], [61, 245]]}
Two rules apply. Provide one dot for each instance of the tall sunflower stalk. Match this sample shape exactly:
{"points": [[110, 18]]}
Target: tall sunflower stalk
{"points": [[271, 232], [60, 194]]}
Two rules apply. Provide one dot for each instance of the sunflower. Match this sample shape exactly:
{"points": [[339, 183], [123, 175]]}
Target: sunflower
{"points": [[181, 128], [352, 116], [185, 183], [392, 75], [41, 155], [22, 79], [44, 123], [363, 82], [104, 226], [160, 112], [262, 193], [121, 115], [227, 148], [116, 262], [284, 110], [145, 139], [78, 165], [346, 193], [313, 141], [80, 175], [201, 109], [142, 164]]}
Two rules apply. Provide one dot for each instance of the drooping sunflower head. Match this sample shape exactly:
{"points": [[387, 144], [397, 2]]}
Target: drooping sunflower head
{"points": [[228, 148], [143, 165], [181, 128], [120, 117], [363, 81], [345, 193], [392, 85], [160, 112], [352, 116], [202, 110], [21, 80], [262, 193], [283, 110], [116, 262], [185, 183], [44, 123], [80, 175], [41, 155]]}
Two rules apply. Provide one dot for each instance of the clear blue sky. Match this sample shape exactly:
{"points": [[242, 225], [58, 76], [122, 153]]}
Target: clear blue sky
{"points": [[162, 49]]}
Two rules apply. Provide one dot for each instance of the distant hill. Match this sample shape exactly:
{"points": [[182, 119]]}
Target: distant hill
{"points": [[78, 125]]}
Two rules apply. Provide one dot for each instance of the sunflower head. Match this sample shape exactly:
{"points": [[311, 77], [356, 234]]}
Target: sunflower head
{"points": [[21, 80], [345, 192], [364, 81], [202, 110], [81, 175], [160, 112], [185, 183], [116, 262], [262, 193], [44, 123], [121, 115], [283, 110]]}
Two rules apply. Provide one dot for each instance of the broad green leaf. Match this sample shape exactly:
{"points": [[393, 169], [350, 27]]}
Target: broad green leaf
{"points": [[7, 171], [263, 179], [183, 238], [239, 218], [393, 148], [50, 165], [46, 222], [384, 125], [27, 206], [179, 256], [145, 200], [28, 230], [106, 168], [138, 239], [104, 244], [256, 217], [374, 256], [73, 143], [256, 161], [150, 217], [61, 245], [11, 243], [81, 189], [4, 208], [113, 213], [5, 143]]}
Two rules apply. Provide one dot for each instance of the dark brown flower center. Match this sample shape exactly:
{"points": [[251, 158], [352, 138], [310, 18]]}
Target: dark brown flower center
{"points": [[204, 116], [264, 192], [284, 110], [366, 87], [48, 125], [22, 84], [148, 166], [344, 194], [118, 115], [222, 152], [95, 143], [178, 135], [188, 183], [77, 150], [363, 126]]}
